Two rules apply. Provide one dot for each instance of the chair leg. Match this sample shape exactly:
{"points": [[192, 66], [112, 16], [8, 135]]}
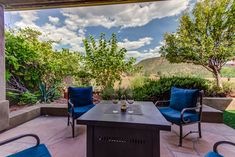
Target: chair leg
{"points": [[199, 129], [68, 120], [181, 135], [73, 124]]}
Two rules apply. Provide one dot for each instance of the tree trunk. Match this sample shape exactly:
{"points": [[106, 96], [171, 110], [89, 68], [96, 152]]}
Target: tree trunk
{"points": [[218, 78]]}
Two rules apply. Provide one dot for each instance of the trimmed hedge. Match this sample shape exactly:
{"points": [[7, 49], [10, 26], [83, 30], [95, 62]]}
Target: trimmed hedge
{"points": [[154, 90]]}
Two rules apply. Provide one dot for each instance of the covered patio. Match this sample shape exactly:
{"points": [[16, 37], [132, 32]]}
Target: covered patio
{"points": [[54, 132]]}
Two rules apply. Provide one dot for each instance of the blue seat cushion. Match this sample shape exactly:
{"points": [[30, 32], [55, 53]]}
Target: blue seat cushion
{"points": [[173, 115], [78, 111], [183, 98], [213, 154], [37, 151], [80, 96]]}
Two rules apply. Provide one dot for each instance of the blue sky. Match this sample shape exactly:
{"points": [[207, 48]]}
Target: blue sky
{"points": [[139, 27]]}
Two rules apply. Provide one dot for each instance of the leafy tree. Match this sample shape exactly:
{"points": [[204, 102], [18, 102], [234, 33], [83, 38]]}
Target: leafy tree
{"points": [[30, 61], [105, 61], [206, 37], [59, 65], [21, 62]]}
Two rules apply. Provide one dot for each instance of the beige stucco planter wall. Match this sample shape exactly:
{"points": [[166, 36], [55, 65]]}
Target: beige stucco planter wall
{"points": [[220, 103], [4, 114]]}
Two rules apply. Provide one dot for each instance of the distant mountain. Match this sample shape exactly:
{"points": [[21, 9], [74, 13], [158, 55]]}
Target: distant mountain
{"points": [[160, 66]]}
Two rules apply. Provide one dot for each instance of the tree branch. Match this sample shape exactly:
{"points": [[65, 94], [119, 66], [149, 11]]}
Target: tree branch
{"points": [[208, 68], [14, 83]]}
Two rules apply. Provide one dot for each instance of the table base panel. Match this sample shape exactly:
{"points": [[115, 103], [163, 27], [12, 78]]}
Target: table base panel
{"points": [[123, 142]]}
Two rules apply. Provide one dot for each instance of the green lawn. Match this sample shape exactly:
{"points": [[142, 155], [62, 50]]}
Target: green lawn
{"points": [[229, 118]]}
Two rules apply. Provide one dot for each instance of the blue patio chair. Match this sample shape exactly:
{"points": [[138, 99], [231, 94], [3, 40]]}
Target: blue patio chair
{"points": [[183, 109], [39, 150], [215, 153], [80, 100]]}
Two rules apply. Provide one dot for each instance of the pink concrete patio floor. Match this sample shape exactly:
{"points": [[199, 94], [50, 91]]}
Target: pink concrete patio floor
{"points": [[54, 132]]}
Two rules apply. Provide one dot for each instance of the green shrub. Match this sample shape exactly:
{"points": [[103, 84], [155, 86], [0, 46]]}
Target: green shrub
{"points": [[138, 81], [160, 89], [58, 94], [13, 98], [120, 93], [215, 91], [28, 98], [107, 93]]}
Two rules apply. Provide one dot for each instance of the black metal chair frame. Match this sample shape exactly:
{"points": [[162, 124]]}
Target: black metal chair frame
{"points": [[19, 137], [215, 147], [71, 114], [187, 121]]}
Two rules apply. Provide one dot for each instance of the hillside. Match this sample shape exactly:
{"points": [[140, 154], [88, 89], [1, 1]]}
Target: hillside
{"points": [[161, 66]]}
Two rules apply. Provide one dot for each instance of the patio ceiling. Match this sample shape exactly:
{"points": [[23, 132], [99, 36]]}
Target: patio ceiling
{"points": [[11, 5]]}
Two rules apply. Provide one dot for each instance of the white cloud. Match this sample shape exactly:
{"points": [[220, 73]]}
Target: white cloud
{"points": [[146, 53], [133, 45], [156, 49], [50, 31], [128, 15], [28, 19], [135, 54], [66, 36], [54, 20], [141, 56]]}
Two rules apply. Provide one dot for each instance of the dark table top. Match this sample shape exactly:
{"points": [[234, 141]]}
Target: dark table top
{"points": [[150, 117]]}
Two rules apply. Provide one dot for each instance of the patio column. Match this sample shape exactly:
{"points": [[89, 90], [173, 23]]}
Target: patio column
{"points": [[4, 104]]}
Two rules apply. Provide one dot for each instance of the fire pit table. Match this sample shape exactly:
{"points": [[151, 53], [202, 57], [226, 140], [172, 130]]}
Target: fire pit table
{"points": [[134, 133]]}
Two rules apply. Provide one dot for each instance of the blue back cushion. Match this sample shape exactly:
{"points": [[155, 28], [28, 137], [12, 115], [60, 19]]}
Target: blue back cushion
{"points": [[183, 98], [80, 96]]}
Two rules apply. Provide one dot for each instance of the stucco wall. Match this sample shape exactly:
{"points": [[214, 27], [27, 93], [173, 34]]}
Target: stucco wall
{"points": [[4, 104], [2, 56], [4, 114]]}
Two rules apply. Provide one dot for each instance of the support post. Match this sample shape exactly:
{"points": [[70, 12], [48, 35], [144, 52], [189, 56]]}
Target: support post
{"points": [[4, 104]]}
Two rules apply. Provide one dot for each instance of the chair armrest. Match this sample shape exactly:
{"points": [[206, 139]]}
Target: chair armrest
{"points": [[71, 104], [19, 137], [162, 101], [215, 147], [188, 109]]}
